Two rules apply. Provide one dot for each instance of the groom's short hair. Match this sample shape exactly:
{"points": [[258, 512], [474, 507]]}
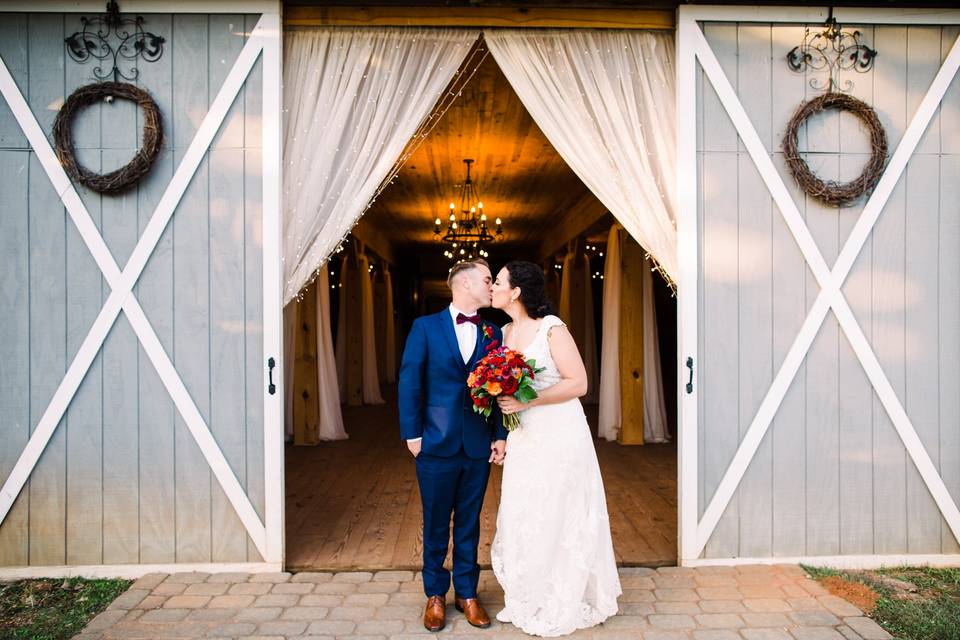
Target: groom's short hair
{"points": [[460, 267]]}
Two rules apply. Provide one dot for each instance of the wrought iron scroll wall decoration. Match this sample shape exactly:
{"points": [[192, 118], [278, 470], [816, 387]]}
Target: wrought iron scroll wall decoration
{"points": [[95, 41], [834, 50]]}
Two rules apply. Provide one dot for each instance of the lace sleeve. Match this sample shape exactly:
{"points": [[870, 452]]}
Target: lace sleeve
{"points": [[552, 322]]}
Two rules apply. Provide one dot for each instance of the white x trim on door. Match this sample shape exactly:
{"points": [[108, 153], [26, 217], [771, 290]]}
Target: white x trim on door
{"points": [[264, 39], [692, 46]]}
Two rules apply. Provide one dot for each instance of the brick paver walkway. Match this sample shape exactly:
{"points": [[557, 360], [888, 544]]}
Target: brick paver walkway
{"points": [[715, 603]]}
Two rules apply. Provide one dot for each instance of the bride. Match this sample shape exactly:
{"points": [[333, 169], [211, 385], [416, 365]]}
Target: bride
{"points": [[552, 552]]}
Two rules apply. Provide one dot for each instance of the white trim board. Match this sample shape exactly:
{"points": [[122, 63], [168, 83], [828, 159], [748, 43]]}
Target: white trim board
{"points": [[837, 562], [132, 571], [817, 14], [265, 39], [692, 46]]}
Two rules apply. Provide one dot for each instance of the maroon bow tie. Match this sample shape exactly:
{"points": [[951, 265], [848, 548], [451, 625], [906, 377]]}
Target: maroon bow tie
{"points": [[475, 319]]}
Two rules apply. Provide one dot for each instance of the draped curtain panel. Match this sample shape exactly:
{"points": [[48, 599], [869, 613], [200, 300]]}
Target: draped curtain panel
{"points": [[353, 99], [605, 100], [655, 427], [371, 382], [329, 415], [391, 329], [609, 421]]}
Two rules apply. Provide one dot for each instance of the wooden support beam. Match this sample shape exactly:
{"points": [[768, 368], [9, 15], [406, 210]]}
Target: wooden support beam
{"points": [[354, 302], [631, 342], [511, 17], [578, 217], [306, 419], [380, 325]]}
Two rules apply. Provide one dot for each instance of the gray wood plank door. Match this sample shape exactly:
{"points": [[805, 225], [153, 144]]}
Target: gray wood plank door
{"points": [[827, 419], [161, 452]]}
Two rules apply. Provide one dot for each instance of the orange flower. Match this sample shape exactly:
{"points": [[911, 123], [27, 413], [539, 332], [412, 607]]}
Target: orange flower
{"points": [[472, 379], [493, 388]]}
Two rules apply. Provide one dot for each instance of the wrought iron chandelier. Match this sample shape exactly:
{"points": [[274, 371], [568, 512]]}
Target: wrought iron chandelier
{"points": [[467, 234]]}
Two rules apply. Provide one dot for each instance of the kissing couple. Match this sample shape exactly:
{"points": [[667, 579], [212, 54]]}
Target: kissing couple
{"points": [[552, 552]]}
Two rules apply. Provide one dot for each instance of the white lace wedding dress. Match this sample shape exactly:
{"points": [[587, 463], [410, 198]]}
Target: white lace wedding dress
{"points": [[552, 552]]}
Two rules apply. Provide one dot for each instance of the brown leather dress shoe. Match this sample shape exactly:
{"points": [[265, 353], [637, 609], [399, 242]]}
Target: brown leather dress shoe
{"points": [[435, 615], [473, 611]]}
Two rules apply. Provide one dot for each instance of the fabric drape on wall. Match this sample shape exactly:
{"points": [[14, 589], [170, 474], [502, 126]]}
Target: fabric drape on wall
{"points": [[353, 98], [605, 100], [329, 415], [341, 348], [390, 329], [589, 334], [655, 427], [371, 382], [609, 421]]}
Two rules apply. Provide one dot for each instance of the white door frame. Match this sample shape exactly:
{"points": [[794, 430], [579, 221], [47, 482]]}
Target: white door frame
{"points": [[265, 41], [692, 47]]}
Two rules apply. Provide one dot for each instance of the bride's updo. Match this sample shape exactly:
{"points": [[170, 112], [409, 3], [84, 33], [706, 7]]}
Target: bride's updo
{"points": [[529, 278]]}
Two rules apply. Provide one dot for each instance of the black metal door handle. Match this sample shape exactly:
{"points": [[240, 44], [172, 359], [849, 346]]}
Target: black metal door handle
{"points": [[690, 382], [271, 388]]}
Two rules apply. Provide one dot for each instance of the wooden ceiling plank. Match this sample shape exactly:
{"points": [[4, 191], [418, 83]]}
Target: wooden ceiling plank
{"points": [[578, 218], [532, 17]]}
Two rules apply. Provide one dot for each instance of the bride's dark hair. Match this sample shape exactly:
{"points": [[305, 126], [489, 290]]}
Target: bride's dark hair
{"points": [[529, 278]]}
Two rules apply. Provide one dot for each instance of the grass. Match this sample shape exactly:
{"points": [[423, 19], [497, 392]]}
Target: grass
{"points": [[914, 603], [53, 609]]}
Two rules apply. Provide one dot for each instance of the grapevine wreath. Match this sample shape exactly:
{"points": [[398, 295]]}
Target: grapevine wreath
{"points": [[835, 193], [127, 175]]}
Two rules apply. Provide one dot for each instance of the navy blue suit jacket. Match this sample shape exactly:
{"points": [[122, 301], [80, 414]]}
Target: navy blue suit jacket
{"points": [[434, 400]]}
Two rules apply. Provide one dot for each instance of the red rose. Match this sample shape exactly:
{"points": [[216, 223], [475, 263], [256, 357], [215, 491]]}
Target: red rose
{"points": [[509, 386]]}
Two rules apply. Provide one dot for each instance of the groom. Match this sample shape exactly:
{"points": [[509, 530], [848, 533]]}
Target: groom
{"points": [[452, 445]]}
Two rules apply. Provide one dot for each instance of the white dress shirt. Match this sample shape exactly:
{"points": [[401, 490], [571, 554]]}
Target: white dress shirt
{"points": [[466, 334], [466, 339]]}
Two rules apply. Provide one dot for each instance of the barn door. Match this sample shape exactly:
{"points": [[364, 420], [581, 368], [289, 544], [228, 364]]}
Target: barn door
{"points": [[818, 404], [141, 426]]}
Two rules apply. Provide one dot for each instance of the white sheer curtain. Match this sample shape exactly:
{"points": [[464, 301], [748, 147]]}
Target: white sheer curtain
{"points": [[328, 396], [605, 100], [353, 99], [654, 406], [368, 338], [609, 421], [390, 328]]}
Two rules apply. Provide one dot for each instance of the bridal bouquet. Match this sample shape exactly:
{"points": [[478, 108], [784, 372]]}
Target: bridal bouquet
{"points": [[505, 372]]}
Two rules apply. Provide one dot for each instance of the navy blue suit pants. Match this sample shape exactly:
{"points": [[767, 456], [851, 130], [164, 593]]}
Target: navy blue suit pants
{"points": [[451, 485]]}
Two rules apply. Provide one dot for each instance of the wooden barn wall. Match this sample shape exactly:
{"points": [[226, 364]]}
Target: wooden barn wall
{"points": [[122, 480], [831, 475]]}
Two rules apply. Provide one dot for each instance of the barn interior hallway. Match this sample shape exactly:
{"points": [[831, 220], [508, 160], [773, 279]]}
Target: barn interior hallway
{"points": [[354, 504]]}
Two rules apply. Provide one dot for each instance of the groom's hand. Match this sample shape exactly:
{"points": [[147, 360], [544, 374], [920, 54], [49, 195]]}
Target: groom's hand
{"points": [[498, 451], [414, 446]]}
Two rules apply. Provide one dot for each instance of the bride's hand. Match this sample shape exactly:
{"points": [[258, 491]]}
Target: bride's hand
{"points": [[509, 404]]}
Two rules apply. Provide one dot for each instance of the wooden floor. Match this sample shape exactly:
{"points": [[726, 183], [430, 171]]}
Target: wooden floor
{"points": [[354, 504]]}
